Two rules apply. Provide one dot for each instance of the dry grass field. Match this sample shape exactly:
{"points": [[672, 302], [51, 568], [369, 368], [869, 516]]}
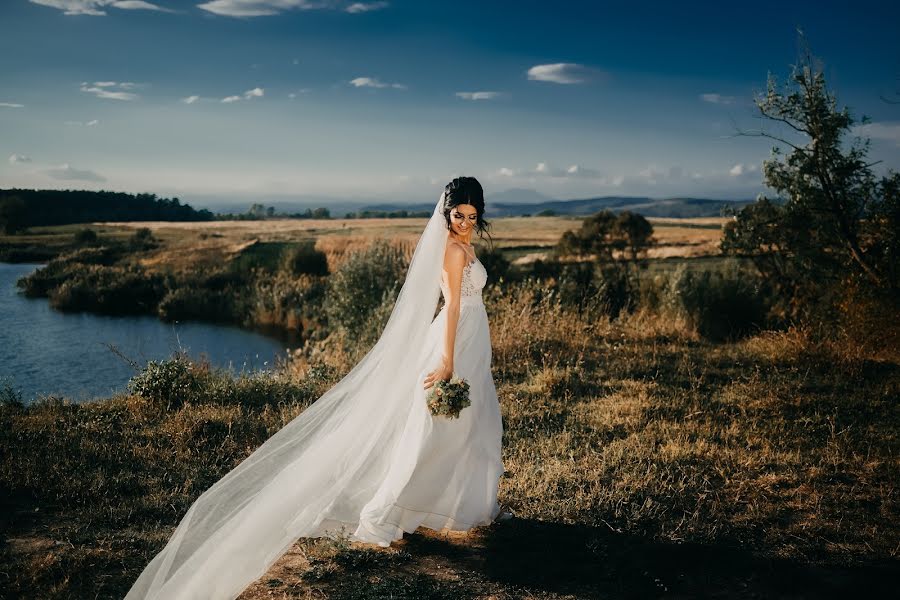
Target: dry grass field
{"points": [[523, 239], [641, 462]]}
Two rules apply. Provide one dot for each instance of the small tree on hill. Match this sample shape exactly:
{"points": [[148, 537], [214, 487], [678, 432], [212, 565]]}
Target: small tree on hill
{"points": [[833, 230], [618, 244]]}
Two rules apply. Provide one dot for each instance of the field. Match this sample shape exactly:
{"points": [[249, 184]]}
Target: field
{"points": [[642, 460], [522, 238]]}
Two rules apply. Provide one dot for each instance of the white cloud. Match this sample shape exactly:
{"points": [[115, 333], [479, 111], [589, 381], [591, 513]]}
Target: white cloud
{"points": [[90, 123], [361, 7], [254, 93], [95, 8], [11, 105], [139, 5], [102, 89], [190, 99], [717, 98], [549, 172], [373, 82], [651, 174], [18, 158], [741, 169], [884, 130], [560, 73], [477, 95], [66, 172], [260, 8]]}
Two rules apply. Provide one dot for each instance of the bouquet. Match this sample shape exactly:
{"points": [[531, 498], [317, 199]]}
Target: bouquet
{"points": [[448, 398]]}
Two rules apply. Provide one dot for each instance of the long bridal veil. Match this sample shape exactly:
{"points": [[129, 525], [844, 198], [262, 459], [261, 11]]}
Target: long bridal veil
{"points": [[319, 469]]}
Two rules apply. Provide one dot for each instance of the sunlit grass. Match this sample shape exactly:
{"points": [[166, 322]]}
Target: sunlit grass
{"points": [[778, 445]]}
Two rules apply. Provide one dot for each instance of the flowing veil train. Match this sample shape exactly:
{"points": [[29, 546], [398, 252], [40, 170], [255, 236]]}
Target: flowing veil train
{"points": [[321, 469]]}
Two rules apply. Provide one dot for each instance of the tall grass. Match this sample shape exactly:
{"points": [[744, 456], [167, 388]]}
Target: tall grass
{"points": [[779, 443]]}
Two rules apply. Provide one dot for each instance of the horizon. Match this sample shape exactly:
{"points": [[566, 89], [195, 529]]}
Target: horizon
{"points": [[255, 101]]}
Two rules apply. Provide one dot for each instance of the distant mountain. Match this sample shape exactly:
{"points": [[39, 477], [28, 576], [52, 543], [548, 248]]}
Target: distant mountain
{"points": [[517, 196], [648, 207], [282, 204], [511, 202]]}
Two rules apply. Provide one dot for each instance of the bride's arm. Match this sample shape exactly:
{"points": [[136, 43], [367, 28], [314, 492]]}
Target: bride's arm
{"points": [[454, 262]]}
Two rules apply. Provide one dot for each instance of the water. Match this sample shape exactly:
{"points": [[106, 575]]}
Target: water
{"points": [[43, 351]]}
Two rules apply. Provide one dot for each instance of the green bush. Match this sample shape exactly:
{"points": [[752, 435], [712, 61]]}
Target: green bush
{"points": [[108, 290], [495, 263], [366, 281], [143, 239], [10, 397], [304, 259], [40, 282], [168, 383], [184, 303], [293, 302], [173, 382], [608, 287], [721, 304], [86, 236]]}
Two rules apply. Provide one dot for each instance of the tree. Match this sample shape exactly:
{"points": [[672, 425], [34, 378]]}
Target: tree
{"points": [[257, 211], [606, 236], [13, 214], [617, 243], [833, 226]]}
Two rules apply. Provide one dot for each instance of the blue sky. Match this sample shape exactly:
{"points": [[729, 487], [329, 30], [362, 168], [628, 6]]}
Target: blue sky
{"points": [[246, 99]]}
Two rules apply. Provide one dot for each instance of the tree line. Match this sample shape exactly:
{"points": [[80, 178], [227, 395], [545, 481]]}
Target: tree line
{"points": [[23, 208]]}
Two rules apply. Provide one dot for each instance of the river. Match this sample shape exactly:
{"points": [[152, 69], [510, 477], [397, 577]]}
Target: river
{"points": [[44, 351]]}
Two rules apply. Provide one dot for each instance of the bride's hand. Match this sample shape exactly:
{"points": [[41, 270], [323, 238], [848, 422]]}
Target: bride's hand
{"points": [[445, 371]]}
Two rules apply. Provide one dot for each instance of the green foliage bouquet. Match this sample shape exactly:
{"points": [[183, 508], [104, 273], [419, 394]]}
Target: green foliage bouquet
{"points": [[448, 398]]}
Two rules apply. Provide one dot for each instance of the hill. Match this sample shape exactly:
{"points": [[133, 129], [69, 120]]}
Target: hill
{"points": [[649, 207]]}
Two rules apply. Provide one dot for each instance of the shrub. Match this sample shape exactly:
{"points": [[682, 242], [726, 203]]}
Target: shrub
{"points": [[168, 382], [108, 290], [362, 284], [86, 236], [303, 258], [173, 382], [291, 302], [724, 304], [10, 397], [184, 303], [143, 239], [495, 263], [608, 287], [40, 282]]}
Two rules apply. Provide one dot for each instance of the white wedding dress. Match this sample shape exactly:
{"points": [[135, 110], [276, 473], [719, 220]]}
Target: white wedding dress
{"points": [[367, 458], [447, 478]]}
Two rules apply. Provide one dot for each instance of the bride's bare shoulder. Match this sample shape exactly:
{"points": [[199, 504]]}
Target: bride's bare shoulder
{"points": [[455, 256]]}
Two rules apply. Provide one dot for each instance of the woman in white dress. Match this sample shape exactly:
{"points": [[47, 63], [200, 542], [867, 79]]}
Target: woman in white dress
{"points": [[367, 458]]}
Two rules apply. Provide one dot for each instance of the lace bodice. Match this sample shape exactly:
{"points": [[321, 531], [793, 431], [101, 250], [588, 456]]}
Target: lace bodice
{"points": [[474, 278]]}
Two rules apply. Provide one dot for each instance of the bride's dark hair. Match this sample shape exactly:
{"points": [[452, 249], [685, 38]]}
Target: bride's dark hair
{"points": [[466, 190]]}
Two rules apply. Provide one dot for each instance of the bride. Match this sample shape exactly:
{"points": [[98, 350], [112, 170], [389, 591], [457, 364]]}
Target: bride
{"points": [[367, 458]]}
